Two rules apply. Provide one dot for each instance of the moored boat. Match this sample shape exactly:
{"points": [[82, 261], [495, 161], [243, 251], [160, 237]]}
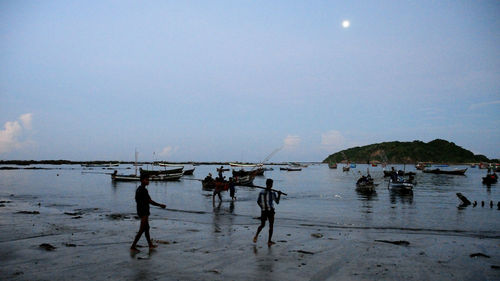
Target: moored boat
{"points": [[188, 172], [460, 172], [365, 184]]}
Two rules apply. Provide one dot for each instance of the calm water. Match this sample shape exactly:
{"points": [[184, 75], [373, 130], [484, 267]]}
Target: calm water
{"points": [[317, 195]]}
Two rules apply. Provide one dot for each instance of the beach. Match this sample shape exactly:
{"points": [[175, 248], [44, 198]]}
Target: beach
{"points": [[73, 237]]}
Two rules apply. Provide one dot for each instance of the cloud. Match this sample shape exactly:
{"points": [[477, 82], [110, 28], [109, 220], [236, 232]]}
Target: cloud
{"points": [[291, 141], [332, 139], [12, 137], [167, 151], [26, 120], [483, 104]]}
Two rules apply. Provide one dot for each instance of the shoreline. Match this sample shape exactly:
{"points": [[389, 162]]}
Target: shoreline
{"points": [[94, 244]]}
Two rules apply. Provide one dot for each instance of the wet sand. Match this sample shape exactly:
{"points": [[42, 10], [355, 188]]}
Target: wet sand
{"points": [[93, 244]]}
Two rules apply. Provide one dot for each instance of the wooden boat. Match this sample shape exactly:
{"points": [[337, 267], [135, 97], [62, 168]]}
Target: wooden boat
{"points": [[163, 177], [290, 169], [166, 177], [491, 177], [244, 180], [188, 172], [365, 184], [241, 172], [346, 169], [332, 165], [162, 172], [460, 172], [245, 165], [116, 177], [208, 184], [400, 185], [400, 173]]}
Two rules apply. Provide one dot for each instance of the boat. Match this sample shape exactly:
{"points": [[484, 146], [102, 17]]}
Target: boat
{"points": [[332, 165], [365, 184], [244, 180], [491, 177], [162, 172], [421, 166], [242, 172], [345, 169], [116, 177], [290, 169], [245, 165], [400, 173], [400, 185], [210, 183], [188, 172], [460, 172], [353, 165], [166, 177]]}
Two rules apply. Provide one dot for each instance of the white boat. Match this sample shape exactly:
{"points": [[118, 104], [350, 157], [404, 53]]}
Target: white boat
{"points": [[400, 185], [245, 165]]}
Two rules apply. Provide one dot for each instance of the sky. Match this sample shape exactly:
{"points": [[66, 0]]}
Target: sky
{"points": [[239, 80]]}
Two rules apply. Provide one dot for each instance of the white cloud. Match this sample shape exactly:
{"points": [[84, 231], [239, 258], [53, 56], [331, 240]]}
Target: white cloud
{"points": [[291, 141], [12, 136], [483, 104], [332, 139], [26, 120], [167, 151]]}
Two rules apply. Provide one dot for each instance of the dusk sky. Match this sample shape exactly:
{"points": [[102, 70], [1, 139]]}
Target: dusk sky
{"points": [[236, 80]]}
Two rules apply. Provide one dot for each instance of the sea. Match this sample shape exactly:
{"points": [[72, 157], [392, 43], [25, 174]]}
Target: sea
{"points": [[316, 195]]}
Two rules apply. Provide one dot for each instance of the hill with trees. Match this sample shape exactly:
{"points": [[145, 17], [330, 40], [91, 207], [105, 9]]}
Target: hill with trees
{"points": [[436, 151]]}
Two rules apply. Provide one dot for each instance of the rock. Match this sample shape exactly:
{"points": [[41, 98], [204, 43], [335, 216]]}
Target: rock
{"points": [[400, 242], [479, 255], [29, 212], [47, 247], [305, 252], [69, 245]]}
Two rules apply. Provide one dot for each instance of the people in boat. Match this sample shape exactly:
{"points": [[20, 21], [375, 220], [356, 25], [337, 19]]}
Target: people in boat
{"points": [[266, 201], [208, 178], [143, 200]]}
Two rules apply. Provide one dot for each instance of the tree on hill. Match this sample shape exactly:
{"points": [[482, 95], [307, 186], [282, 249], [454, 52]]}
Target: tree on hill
{"points": [[438, 151]]}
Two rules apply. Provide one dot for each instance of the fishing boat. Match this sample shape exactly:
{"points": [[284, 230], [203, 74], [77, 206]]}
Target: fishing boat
{"points": [[166, 177], [242, 172], [188, 172], [353, 165], [290, 169], [400, 173], [162, 172], [400, 185], [491, 177], [460, 172], [232, 164], [116, 177], [365, 184], [346, 169], [244, 180]]}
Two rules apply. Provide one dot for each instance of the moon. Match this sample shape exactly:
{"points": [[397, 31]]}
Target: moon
{"points": [[346, 23]]}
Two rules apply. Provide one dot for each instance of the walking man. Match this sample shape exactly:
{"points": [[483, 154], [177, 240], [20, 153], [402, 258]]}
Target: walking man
{"points": [[143, 200], [266, 201]]}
